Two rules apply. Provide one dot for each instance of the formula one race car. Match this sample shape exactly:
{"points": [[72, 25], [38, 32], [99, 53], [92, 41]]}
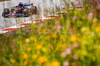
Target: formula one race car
{"points": [[20, 10]]}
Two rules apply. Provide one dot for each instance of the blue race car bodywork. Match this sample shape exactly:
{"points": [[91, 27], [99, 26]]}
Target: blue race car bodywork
{"points": [[20, 10], [27, 4], [16, 15]]}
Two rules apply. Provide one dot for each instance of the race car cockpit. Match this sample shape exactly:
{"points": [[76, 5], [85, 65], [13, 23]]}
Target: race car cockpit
{"points": [[21, 6]]}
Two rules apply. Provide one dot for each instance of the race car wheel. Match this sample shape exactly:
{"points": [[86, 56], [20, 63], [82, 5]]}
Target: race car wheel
{"points": [[26, 13], [34, 10], [5, 12], [12, 10]]}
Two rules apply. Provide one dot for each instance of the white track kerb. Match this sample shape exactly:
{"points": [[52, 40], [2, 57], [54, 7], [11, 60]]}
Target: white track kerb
{"points": [[25, 23]]}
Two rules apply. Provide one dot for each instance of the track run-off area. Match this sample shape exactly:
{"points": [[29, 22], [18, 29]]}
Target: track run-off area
{"points": [[46, 10]]}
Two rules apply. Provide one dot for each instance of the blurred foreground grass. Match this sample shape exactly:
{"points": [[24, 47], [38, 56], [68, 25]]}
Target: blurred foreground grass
{"points": [[73, 39]]}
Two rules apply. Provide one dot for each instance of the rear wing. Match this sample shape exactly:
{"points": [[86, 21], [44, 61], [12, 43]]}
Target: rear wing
{"points": [[28, 4]]}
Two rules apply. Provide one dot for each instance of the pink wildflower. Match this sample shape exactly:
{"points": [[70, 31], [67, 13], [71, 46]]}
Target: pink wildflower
{"points": [[76, 45], [56, 22], [63, 54], [63, 6], [41, 25], [98, 6], [75, 17], [77, 2], [81, 6], [66, 63], [91, 15], [59, 28], [75, 56], [68, 50], [27, 31]]}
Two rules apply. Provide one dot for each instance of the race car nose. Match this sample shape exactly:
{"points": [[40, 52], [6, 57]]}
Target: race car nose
{"points": [[13, 14]]}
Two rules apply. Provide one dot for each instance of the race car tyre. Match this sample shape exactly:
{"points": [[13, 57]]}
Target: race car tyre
{"points": [[26, 13], [32, 4], [12, 10], [5, 12], [34, 10]]}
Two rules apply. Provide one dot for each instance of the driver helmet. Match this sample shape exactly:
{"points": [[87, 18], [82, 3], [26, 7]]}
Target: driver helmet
{"points": [[20, 4]]}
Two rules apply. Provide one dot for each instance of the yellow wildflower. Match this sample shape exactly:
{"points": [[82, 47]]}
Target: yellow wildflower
{"points": [[61, 46], [76, 12], [97, 29], [60, 42], [46, 64], [55, 64], [13, 61], [34, 56], [38, 52], [39, 47], [53, 35], [25, 62], [84, 37], [25, 56], [44, 30], [73, 39], [31, 38], [42, 60], [35, 44], [42, 43], [88, 30], [47, 38], [23, 52], [44, 49], [94, 22], [29, 49]]}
